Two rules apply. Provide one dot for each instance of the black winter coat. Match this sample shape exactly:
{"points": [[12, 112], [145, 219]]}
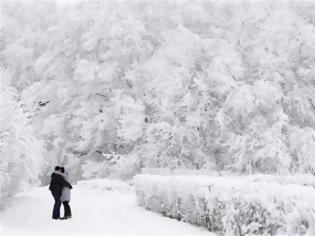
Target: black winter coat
{"points": [[57, 183]]}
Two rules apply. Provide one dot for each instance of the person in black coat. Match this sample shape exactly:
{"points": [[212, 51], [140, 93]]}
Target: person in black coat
{"points": [[56, 184]]}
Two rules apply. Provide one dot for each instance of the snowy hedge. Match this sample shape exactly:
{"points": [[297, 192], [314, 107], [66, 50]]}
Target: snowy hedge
{"points": [[251, 205]]}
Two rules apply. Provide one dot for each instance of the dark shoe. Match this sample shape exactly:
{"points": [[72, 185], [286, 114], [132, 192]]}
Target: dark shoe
{"points": [[64, 218], [56, 218]]}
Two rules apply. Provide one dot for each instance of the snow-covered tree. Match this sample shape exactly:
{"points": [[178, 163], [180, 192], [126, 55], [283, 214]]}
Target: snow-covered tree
{"points": [[21, 152], [175, 84]]}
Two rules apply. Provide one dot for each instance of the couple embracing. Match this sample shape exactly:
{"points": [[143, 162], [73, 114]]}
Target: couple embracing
{"points": [[60, 189]]}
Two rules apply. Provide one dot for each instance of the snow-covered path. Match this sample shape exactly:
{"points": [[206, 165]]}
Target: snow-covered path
{"points": [[100, 207]]}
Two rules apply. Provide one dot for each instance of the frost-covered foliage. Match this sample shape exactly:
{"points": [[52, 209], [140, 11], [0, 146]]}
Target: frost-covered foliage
{"points": [[215, 85], [251, 205], [20, 151]]}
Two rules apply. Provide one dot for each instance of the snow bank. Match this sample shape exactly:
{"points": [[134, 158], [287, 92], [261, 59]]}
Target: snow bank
{"points": [[179, 171], [104, 185], [249, 205]]}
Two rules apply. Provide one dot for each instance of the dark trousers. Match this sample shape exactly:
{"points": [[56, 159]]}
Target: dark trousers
{"points": [[56, 210], [67, 209]]}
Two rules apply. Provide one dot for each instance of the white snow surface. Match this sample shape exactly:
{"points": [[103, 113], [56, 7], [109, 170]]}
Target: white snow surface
{"points": [[99, 207]]}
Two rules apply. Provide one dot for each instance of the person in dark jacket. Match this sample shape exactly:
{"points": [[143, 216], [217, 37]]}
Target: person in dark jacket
{"points": [[56, 185]]}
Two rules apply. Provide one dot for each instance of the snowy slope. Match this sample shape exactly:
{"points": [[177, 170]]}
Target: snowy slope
{"points": [[100, 207]]}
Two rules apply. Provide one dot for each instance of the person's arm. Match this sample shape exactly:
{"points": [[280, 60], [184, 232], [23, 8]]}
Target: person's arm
{"points": [[65, 183], [51, 183]]}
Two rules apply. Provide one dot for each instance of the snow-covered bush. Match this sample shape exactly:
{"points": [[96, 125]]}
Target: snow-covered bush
{"points": [[249, 205], [110, 165]]}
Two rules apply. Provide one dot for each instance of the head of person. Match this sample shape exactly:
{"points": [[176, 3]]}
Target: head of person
{"points": [[57, 168]]}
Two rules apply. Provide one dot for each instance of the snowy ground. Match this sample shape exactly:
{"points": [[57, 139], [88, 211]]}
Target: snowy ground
{"points": [[100, 207]]}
